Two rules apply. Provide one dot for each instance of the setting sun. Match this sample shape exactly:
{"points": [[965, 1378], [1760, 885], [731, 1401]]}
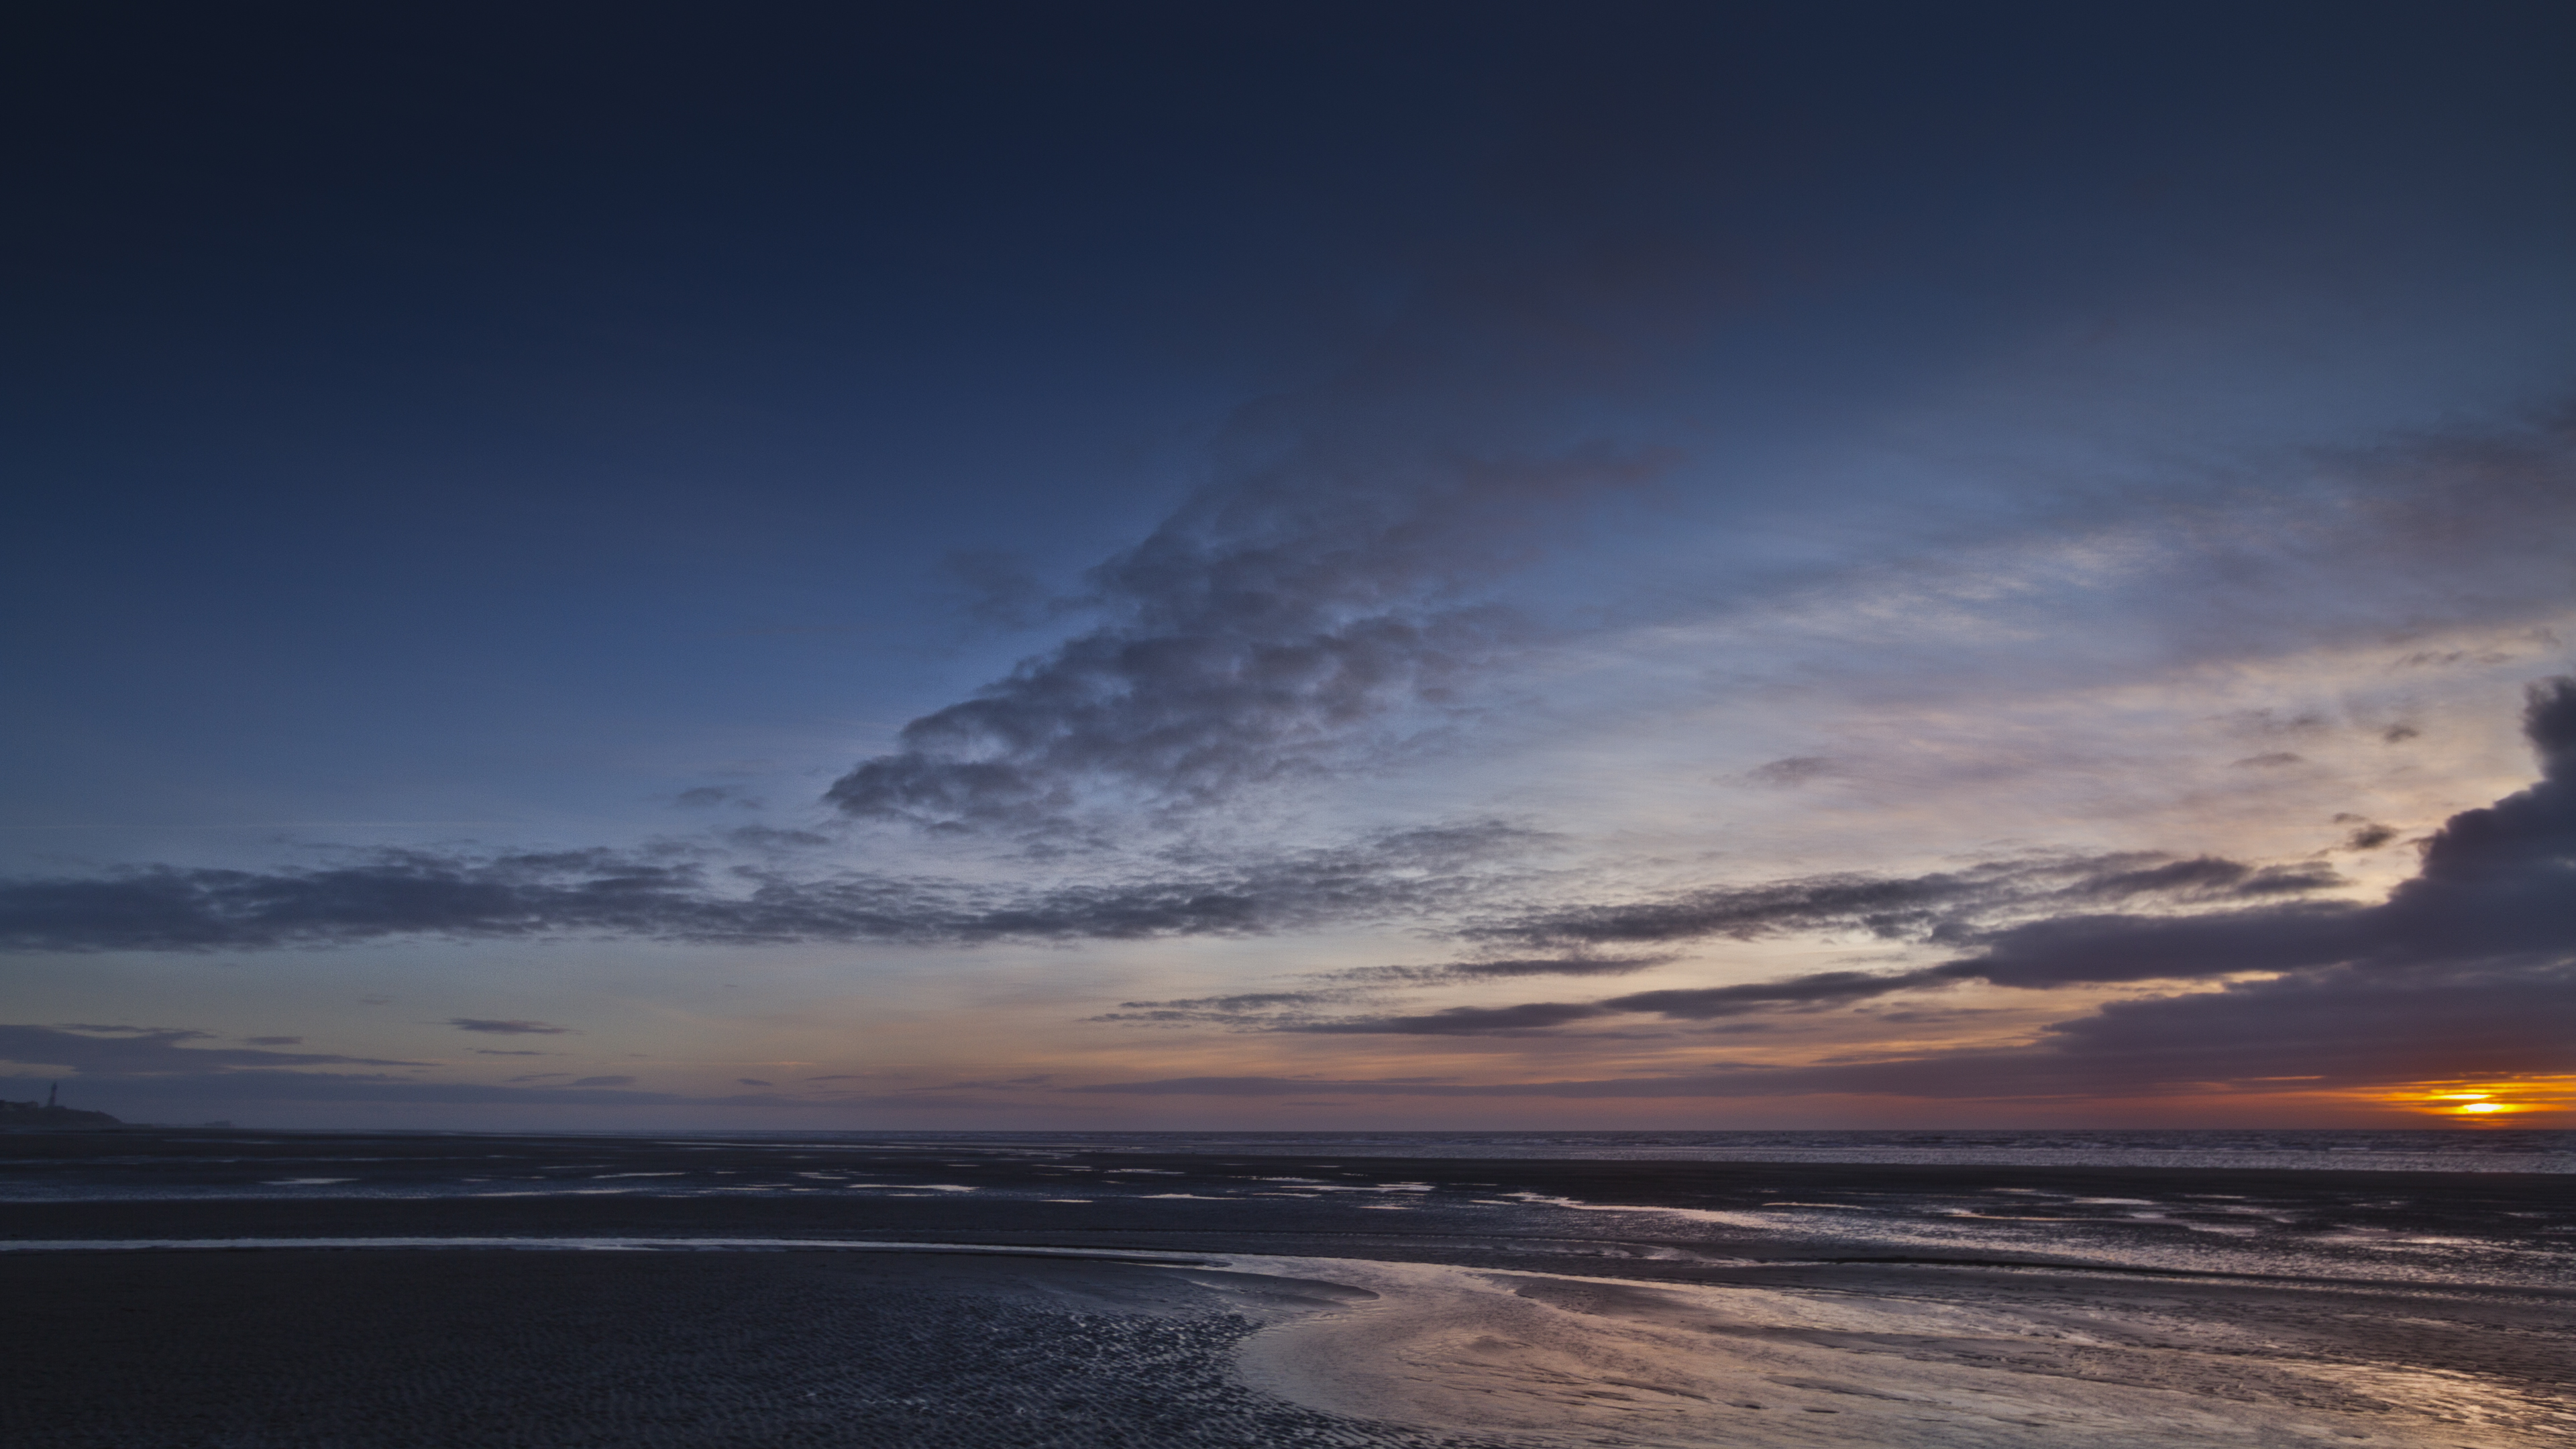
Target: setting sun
{"points": [[2486, 1100]]}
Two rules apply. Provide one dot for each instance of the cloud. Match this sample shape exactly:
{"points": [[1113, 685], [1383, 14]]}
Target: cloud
{"points": [[1456, 971], [1237, 1007], [154, 1052], [2342, 1025], [1326, 592], [1406, 873], [2471, 956], [1816, 989], [2467, 969], [2276, 554], [1897, 908], [1268, 1010], [274, 1040], [1793, 772], [2497, 890], [1467, 1020], [1274, 625], [601, 1082], [1707, 1003], [1324, 595], [188, 1091], [752, 1082], [1008, 1084], [2318, 1031], [772, 840], [2090, 949], [2037, 955], [508, 1028]]}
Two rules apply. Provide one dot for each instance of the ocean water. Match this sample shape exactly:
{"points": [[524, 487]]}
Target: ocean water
{"points": [[2453, 1149], [2422, 1207]]}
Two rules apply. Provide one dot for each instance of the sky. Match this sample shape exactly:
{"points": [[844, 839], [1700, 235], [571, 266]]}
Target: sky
{"points": [[1623, 566]]}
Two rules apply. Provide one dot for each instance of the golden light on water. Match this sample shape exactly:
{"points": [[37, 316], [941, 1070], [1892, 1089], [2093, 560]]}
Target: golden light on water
{"points": [[2476, 1101]]}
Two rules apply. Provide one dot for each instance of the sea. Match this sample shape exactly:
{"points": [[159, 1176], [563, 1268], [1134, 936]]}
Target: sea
{"points": [[2459, 1149]]}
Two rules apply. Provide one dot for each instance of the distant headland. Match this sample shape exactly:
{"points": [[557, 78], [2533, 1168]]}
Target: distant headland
{"points": [[51, 1113]]}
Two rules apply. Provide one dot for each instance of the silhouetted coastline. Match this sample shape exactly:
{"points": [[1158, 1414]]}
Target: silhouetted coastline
{"points": [[52, 1114]]}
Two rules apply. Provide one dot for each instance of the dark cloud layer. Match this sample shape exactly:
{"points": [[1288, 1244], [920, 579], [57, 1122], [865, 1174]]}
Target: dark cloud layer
{"points": [[608, 893], [1815, 991], [1974, 904], [1991, 903]]}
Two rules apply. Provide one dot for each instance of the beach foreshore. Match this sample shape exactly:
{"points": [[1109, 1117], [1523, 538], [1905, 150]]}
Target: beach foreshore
{"points": [[385, 1293], [551, 1345], [389, 1348]]}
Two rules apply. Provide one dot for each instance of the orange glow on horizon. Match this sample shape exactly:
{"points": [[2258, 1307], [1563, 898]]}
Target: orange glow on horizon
{"points": [[2482, 1101]]}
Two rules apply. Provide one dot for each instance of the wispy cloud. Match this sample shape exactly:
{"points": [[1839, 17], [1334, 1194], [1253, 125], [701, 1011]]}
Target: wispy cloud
{"points": [[180, 1089], [1909, 907], [1450, 972], [156, 1052], [1399, 874]]}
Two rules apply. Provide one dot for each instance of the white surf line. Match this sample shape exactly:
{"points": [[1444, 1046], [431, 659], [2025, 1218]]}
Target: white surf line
{"points": [[606, 1245], [1696, 1215]]}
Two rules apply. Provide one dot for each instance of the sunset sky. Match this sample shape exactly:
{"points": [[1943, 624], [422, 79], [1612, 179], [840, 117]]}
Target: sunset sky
{"points": [[1298, 566]]}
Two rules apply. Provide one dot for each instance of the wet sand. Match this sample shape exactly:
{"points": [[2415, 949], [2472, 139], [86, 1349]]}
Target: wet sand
{"points": [[670, 1293], [1892, 1359], [393, 1349], [426, 1347]]}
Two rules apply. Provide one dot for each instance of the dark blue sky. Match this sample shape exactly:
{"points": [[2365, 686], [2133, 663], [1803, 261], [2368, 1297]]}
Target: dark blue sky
{"points": [[470, 430]]}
